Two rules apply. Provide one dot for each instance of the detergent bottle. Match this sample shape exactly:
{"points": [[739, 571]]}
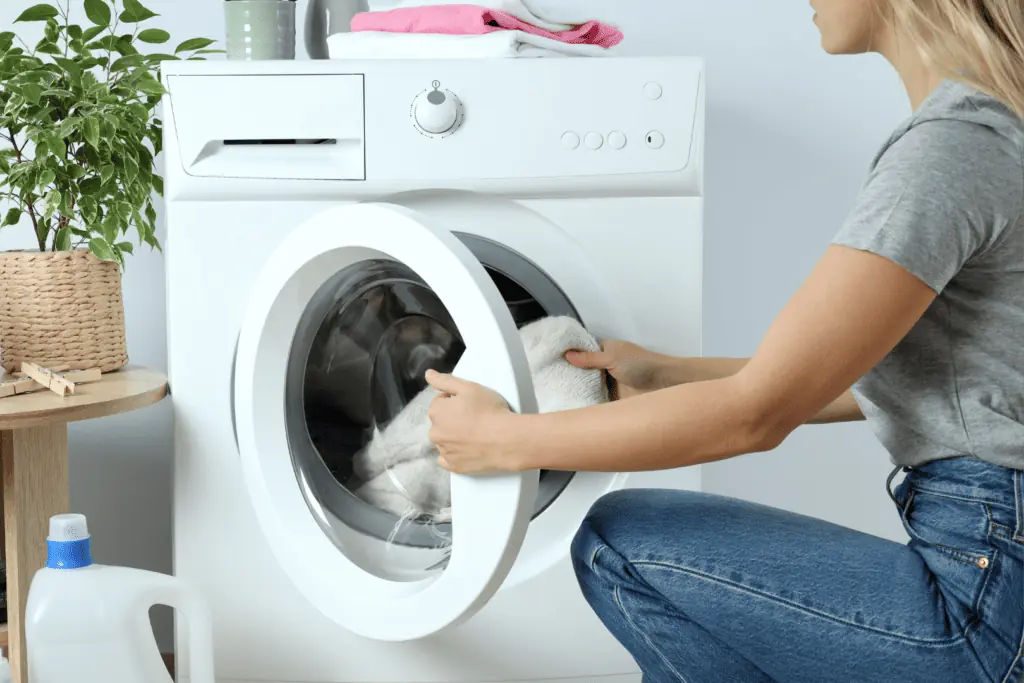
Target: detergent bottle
{"points": [[89, 623]]}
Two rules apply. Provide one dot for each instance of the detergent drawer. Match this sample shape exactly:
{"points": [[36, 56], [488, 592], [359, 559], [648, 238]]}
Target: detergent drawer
{"points": [[299, 127]]}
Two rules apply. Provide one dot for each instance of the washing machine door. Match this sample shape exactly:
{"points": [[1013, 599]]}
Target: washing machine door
{"points": [[386, 290]]}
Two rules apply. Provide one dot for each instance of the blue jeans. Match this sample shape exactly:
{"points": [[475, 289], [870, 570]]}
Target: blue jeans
{"points": [[701, 588]]}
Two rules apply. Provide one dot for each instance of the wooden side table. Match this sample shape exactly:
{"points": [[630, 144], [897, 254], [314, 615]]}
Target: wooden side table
{"points": [[34, 452]]}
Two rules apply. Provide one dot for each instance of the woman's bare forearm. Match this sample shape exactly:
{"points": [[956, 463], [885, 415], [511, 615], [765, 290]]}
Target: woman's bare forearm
{"points": [[686, 370]]}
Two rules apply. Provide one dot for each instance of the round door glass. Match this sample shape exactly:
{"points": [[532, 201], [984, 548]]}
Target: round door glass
{"points": [[357, 400]]}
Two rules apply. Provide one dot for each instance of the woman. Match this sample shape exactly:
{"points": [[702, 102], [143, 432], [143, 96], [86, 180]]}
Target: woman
{"points": [[920, 302]]}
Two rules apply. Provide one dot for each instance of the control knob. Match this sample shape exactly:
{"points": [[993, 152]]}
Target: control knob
{"points": [[436, 111]]}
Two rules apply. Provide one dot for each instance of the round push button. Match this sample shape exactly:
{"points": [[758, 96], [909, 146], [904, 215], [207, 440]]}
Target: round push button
{"points": [[617, 140], [594, 140], [655, 140], [653, 91], [570, 140]]}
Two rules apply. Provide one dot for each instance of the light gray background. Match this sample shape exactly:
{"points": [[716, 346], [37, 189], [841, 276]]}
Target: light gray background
{"points": [[790, 134]]}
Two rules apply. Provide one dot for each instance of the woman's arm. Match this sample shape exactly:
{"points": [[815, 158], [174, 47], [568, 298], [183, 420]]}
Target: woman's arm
{"points": [[853, 309], [678, 371]]}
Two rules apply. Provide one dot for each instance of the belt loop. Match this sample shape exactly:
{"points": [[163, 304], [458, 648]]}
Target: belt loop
{"points": [[1019, 530], [888, 487]]}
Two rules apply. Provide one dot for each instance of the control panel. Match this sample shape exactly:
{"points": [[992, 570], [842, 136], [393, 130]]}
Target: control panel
{"points": [[429, 121], [533, 119]]}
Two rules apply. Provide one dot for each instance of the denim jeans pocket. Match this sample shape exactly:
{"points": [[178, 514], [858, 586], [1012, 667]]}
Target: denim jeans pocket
{"points": [[952, 536], [956, 526]]}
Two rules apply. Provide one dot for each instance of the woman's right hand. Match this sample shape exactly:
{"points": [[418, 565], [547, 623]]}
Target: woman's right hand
{"points": [[635, 369]]}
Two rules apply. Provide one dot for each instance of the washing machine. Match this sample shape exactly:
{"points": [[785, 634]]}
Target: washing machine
{"points": [[334, 229]]}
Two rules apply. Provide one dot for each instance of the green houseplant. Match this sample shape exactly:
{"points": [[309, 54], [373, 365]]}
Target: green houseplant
{"points": [[78, 136]]}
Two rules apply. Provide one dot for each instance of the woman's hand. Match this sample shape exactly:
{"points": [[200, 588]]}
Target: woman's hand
{"points": [[470, 427], [635, 369]]}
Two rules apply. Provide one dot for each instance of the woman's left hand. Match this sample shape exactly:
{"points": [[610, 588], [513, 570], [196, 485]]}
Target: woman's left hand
{"points": [[470, 427]]}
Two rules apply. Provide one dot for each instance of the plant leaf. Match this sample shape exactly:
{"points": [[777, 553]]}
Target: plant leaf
{"points": [[32, 92], [127, 62], [52, 30], [68, 126], [104, 43], [135, 13], [70, 66], [102, 249], [154, 36], [92, 132], [91, 33], [194, 44], [98, 12], [12, 217], [87, 205], [139, 110], [47, 46], [46, 176], [38, 13], [111, 227], [150, 86], [62, 242], [126, 247], [131, 168], [106, 173]]}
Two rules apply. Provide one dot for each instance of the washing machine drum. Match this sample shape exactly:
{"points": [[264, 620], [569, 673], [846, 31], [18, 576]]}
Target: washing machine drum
{"points": [[362, 348]]}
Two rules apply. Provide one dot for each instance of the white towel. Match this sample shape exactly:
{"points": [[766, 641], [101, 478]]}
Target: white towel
{"points": [[527, 10], [400, 464], [499, 44]]}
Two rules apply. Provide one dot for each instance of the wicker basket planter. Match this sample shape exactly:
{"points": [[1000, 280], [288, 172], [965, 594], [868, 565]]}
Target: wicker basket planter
{"points": [[61, 308]]}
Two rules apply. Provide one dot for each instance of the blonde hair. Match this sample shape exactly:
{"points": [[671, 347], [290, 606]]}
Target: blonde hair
{"points": [[980, 42]]}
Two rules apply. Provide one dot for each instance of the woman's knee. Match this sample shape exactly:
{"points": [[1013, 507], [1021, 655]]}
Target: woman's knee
{"points": [[629, 522]]}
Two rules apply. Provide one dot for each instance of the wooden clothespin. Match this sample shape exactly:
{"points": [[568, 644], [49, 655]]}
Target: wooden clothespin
{"points": [[49, 379], [35, 378], [51, 368], [12, 387]]}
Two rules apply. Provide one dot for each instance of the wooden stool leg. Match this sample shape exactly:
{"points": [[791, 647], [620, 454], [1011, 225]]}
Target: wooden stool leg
{"points": [[35, 487]]}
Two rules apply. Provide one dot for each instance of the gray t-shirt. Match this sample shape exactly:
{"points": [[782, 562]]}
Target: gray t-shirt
{"points": [[944, 200]]}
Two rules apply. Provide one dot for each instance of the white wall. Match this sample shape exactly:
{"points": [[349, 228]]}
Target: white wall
{"points": [[790, 133]]}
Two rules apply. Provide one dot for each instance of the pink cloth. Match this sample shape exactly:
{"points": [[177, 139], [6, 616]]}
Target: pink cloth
{"points": [[474, 20]]}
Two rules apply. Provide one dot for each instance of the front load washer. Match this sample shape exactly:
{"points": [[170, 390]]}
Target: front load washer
{"points": [[336, 228]]}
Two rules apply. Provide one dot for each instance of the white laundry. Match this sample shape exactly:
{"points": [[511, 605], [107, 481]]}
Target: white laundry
{"points": [[498, 44], [527, 10], [399, 465]]}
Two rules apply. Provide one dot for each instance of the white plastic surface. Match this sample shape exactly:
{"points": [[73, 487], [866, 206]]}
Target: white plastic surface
{"points": [[91, 625], [619, 231], [490, 515], [71, 527], [515, 109], [225, 123]]}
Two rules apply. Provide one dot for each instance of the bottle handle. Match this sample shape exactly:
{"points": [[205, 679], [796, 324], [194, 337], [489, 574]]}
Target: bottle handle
{"points": [[185, 599]]}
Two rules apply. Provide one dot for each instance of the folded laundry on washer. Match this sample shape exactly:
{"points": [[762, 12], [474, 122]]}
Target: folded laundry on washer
{"points": [[526, 10], [499, 44], [399, 465], [477, 20]]}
